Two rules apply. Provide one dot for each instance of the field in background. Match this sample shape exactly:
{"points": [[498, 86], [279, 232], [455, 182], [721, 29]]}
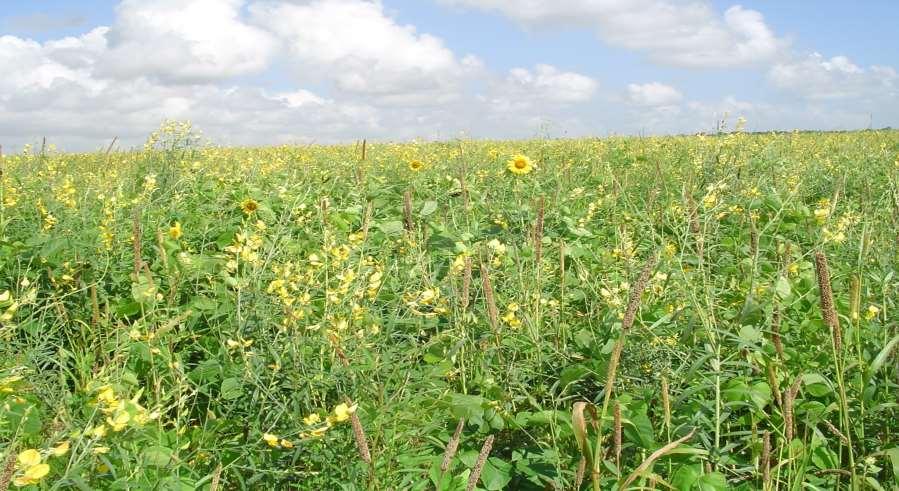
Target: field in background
{"points": [[708, 312]]}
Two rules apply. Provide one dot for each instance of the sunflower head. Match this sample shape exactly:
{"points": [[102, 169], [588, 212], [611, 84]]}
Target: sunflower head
{"points": [[416, 165], [249, 206], [520, 165], [175, 231]]}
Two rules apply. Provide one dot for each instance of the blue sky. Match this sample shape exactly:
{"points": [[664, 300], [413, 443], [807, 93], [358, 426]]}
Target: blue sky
{"points": [[255, 72]]}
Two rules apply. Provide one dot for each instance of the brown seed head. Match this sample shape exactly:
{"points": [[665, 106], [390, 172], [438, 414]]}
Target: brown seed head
{"points": [[452, 446], [479, 465], [826, 294]]}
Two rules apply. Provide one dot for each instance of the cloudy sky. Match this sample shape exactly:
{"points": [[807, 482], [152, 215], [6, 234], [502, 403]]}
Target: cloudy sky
{"points": [[255, 72]]}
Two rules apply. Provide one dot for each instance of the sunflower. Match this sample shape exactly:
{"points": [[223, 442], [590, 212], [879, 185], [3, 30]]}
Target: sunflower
{"points": [[520, 165], [249, 205], [416, 165], [175, 231]]}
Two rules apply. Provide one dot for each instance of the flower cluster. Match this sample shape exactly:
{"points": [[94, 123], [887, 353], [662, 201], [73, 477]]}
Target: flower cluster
{"points": [[427, 303]]}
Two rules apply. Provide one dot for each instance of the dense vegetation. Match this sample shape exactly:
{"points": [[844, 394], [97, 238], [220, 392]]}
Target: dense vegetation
{"points": [[703, 312]]}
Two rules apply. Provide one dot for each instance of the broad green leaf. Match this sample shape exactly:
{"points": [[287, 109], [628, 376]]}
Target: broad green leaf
{"points": [[782, 287], [496, 474], [428, 208], [685, 477], [157, 456], [712, 482], [391, 228], [750, 334], [232, 388], [881, 357]]}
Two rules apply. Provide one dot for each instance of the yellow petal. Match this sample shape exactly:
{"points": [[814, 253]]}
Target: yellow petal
{"points": [[270, 439], [61, 449], [36, 472], [29, 458]]}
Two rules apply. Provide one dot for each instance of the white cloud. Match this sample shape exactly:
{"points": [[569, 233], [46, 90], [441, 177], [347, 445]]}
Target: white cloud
{"points": [[299, 98], [653, 94], [363, 51], [178, 59], [685, 33], [57, 90], [346, 69], [185, 41], [529, 97], [548, 83], [817, 77]]}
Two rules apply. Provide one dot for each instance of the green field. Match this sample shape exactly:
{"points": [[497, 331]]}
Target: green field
{"points": [[699, 312]]}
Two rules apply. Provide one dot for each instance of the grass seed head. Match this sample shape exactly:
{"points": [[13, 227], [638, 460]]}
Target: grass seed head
{"points": [[826, 295], [451, 446], [479, 465]]}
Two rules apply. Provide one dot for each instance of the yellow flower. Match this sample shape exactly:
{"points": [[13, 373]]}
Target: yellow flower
{"points": [[520, 165], [119, 422], [312, 419], [286, 444], [60, 450], [249, 205], [99, 431], [416, 165], [32, 475], [670, 249], [100, 450], [342, 412], [237, 344], [175, 231], [272, 440], [511, 319], [107, 395], [29, 458], [872, 312]]}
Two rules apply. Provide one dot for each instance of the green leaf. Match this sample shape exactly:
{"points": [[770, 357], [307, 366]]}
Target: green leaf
{"points": [[391, 228], [468, 407], [760, 394], [428, 208], [817, 385], [496, 474], [736, 390], [127, 308], [572, 373], [782, 287], [23, 416], [226, 238], [157, 456], [874, 484], [750, 334], [206, 371], [232, 388], [893, 454], [685, 477], [881, 357], [639, 427], [204, 304], [825, 458], [143, 291], [712, 482]]}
